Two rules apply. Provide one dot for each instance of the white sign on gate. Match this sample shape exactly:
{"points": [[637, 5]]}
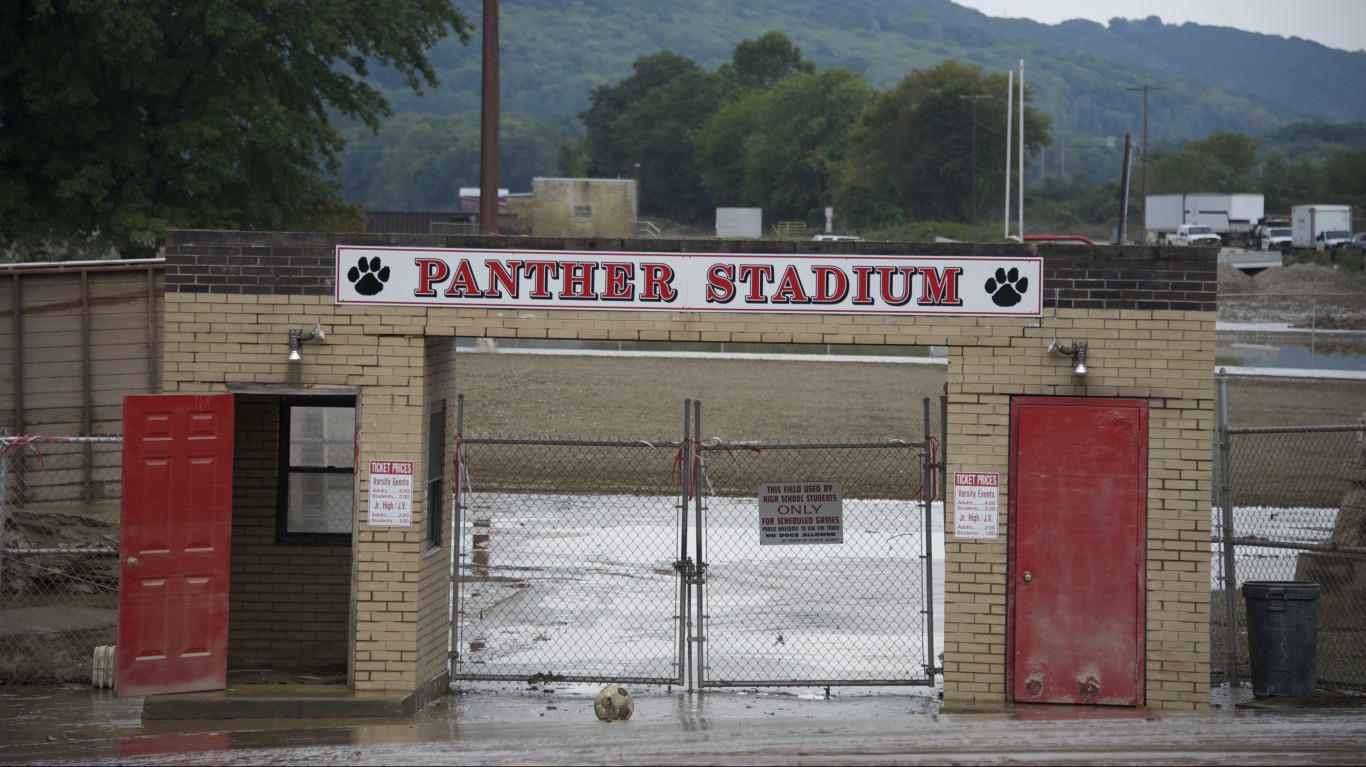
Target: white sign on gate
{"points": [[975, 499], [391, 494], [800, 512]]}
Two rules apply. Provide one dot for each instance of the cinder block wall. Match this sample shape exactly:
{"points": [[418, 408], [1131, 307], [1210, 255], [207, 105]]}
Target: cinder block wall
{"points": [[611, 204], [1147, 313]]}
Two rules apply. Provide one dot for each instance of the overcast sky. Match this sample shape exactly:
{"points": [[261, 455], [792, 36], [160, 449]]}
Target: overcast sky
{"points": [[1334, 23]]}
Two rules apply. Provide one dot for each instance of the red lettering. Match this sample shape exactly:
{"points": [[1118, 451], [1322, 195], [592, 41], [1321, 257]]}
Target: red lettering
{"points": [[503, 277], [749, 273], [720, 283], [463, 284], [429, 271], [541, 272], [657, 279], [790, 290], [832, 284], [863, 280], [940, 289], [578, 280], [887, 288], [618, 283]]}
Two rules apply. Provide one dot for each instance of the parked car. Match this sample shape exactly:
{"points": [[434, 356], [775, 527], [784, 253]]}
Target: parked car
{"points": [[1357, 245]]}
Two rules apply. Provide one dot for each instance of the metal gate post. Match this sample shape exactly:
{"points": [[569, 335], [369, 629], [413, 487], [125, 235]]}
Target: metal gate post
{"points": [[456, 538], [683, 566], [1230, 577], [699, 573], [928, 467]]}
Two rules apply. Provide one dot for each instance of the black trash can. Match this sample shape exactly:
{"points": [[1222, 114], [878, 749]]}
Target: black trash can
{"points": [[1282, 636]]}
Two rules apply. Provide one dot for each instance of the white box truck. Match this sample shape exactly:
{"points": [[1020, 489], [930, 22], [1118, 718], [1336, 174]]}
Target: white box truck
{"points": [[1320, 227], [1231, 216]]}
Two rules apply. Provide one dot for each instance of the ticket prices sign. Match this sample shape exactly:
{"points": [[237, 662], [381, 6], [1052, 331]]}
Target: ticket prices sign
{"points": [[975, 500], [391, 494], [800, 512]]}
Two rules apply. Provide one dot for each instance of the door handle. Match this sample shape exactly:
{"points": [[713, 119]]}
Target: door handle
{"points": [[132, 561], [1027, 576]]}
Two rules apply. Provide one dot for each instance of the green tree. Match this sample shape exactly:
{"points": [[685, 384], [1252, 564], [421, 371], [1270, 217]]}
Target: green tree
{"points": [[763, 61], [643, 126], [120, 120], [779, 148], [910, 155], [1220, 162]]}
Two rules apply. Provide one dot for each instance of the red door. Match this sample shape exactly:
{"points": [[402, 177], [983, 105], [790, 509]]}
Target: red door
{"points": [[177, 525], [1078, 501]]}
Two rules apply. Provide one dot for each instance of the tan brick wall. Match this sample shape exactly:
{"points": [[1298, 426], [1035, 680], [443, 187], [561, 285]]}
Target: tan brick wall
{"points": [[1146, 342], [1161, 357]]}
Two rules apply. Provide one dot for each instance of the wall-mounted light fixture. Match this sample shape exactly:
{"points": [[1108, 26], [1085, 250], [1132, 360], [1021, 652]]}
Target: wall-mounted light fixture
{"points": [[1077, 351], [298, 337]]}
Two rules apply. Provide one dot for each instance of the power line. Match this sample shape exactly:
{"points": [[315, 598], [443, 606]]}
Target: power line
{"points": [[1145, 88]]}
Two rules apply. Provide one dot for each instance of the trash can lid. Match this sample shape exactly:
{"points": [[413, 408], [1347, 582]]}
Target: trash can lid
{"points": [[1281, 589]]}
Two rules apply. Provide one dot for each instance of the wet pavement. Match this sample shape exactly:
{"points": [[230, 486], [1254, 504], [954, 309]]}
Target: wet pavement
{"points": [[523, 725]]}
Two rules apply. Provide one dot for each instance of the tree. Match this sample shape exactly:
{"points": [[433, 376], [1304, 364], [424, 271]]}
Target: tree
{"points": [[779, 148], [1219, 162], [645, 122], [763, 61], [910, 153], [121, 120]]}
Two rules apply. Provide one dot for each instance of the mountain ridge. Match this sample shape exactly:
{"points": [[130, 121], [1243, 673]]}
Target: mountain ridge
{"points": [[554, 53]]}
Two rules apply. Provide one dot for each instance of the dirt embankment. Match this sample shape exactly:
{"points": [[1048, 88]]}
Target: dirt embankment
{"points": [[1301, 295]]}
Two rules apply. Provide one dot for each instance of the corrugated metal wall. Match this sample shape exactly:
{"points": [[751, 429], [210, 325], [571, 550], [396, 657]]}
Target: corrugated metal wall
{"points": [[75, 338]]}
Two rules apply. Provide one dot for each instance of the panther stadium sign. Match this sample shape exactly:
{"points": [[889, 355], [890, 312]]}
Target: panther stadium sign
{"points": [[690, 282]]}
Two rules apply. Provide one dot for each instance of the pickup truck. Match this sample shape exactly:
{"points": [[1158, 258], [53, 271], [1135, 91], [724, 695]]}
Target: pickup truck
{"points": [[1195, 234], [1276, 238]]}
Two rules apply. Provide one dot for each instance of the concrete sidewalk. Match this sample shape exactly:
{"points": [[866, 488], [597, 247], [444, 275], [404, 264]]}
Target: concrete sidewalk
{"points": [[528, 725]]}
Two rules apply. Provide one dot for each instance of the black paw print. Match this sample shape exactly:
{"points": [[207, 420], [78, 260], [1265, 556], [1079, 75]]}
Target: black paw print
{"points": [[1007, 288], [369, 276]]}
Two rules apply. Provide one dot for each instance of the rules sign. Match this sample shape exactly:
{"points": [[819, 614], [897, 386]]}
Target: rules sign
{"points": [[800, 512]]}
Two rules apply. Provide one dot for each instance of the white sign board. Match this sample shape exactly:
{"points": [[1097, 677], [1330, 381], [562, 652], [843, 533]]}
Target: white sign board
{"points": [[800, 512], [953, 286], [975, 499], [391, 494]]}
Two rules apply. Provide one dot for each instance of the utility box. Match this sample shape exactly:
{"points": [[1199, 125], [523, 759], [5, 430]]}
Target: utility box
{"points": [[739, 222]]}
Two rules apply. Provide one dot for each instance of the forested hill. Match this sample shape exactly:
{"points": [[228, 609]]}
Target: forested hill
{"points": [[555, 52]]}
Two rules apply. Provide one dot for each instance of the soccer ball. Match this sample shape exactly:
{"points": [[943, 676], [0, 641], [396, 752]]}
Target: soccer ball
{"points": [[614, 703]]}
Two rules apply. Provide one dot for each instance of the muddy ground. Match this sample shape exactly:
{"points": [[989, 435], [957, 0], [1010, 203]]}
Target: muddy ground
{"points": [[744, 399]]}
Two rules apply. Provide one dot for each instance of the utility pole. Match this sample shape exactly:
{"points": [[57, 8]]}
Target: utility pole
{"points": [[488, 125], [1145, 87], [974, 100]]}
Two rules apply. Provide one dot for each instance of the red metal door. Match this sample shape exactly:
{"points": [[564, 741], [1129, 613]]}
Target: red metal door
{"points": [[177, 527], [1078, 505]]}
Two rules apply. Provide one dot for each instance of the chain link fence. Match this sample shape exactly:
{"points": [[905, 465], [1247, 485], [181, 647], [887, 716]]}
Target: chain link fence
{"points": [[1291, 506], [59, 518]]}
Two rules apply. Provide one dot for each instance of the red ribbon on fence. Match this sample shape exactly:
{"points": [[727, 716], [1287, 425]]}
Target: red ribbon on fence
{"points": [[15, 444], [931, 490], [712, 444]]}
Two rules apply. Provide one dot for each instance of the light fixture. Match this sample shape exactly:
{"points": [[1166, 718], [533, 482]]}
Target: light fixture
{"points": [[1077, 351], [298, 337]]}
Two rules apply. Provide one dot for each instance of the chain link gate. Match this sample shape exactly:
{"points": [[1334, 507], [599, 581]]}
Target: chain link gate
{"points": [[641, 562]]}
